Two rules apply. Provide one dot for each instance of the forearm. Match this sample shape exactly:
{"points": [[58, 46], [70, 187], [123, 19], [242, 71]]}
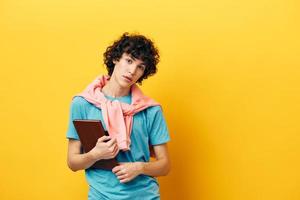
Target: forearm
{"points": [[155, 168], [81, 161]]}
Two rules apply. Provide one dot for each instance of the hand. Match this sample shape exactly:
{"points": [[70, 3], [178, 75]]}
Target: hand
{"points": [[127, 171], [105, 150]]}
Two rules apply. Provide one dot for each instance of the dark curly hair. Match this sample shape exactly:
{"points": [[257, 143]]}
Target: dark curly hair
{"points": [[137, 46]]}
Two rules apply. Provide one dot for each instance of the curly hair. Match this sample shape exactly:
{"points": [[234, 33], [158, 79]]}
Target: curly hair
{"points": [[137, 46]]}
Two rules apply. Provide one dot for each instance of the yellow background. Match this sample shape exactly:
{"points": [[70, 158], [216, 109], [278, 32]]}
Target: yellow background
{"points": [[228, 80]]}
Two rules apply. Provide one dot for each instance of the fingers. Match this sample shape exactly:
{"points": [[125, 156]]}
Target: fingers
{"points": [[123, 176], [125, 180], [119, 173], [111, 142], [119, 169], [116, 168], [103, 138], [116, 150]]}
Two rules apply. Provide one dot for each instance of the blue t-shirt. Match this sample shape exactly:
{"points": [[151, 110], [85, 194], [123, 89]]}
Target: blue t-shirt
{"points": [[149, 127]]}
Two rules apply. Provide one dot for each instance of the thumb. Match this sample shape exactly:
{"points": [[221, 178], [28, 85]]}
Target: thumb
{"points": [[103, 138]]}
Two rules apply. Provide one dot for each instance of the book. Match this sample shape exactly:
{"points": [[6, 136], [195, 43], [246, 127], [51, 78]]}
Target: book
{"points": [[89, 131]]}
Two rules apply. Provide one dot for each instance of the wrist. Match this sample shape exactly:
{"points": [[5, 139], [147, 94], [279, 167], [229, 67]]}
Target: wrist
{"points": [[140, 167], [91, 155]]}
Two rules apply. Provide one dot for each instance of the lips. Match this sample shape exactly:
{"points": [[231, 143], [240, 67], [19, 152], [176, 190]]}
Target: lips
{"points": [[127, 78]]}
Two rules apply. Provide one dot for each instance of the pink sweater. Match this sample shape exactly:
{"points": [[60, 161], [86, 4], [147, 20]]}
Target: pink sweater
{"points": [[118, 116]]}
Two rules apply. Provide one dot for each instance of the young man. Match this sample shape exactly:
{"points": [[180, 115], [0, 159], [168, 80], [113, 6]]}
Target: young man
{"points": [[135, 123]]}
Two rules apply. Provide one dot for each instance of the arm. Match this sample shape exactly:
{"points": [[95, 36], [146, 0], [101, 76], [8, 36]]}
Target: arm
{"points": [[160, 167], [77, 161]]}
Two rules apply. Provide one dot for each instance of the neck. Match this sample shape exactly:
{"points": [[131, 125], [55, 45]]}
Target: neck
{"points": [[114, 90]]}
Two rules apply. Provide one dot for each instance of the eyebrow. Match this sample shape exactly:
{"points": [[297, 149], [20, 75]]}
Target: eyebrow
{"points": [[135, 59]]}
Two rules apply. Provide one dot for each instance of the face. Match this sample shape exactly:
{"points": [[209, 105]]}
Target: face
{"points": [[128, 70]]}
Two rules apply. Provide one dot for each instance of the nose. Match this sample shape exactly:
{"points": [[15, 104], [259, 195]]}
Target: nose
{"points": [[132, 69]]}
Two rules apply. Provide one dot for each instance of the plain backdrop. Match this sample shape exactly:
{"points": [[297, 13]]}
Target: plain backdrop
{"points": [[228, 81]]}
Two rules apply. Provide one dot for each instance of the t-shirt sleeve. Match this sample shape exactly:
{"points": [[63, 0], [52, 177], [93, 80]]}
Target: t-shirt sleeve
{"points": [[157, 126], [76, 112]]}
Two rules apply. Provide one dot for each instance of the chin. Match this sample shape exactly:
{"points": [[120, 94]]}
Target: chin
{"points": [[124, 84]]}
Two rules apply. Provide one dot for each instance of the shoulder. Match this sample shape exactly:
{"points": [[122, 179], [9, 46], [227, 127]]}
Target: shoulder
{"points": [[79, 102], [153, 111]]}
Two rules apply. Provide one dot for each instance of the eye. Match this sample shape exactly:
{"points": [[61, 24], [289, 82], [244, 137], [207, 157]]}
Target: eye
{"points": [[129, 61], [142, 67]]}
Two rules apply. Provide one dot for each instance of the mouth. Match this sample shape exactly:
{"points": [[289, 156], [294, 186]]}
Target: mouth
{"points": [[127, 78]]}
